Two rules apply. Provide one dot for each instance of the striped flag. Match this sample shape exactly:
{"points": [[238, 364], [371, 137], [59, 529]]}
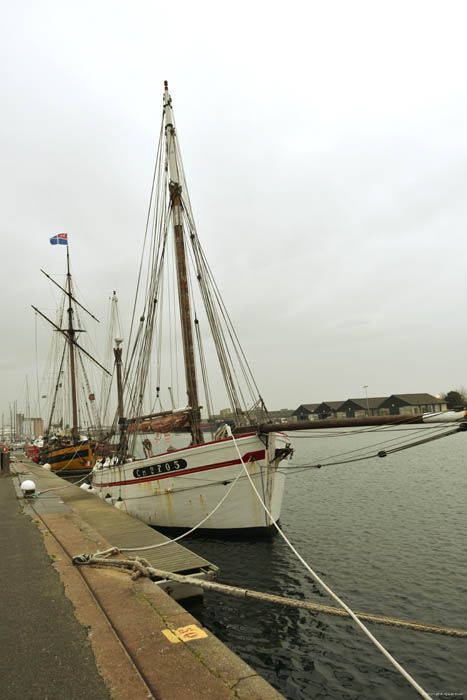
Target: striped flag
{"points": [[59, 239]]}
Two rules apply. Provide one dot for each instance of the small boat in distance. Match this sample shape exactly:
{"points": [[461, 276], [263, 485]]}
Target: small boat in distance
{"points": [[65, 448], [192, 485]]}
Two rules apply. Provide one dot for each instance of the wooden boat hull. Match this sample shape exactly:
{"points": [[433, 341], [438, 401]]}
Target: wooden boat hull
{"points": [[179, 489], [69, 458]]}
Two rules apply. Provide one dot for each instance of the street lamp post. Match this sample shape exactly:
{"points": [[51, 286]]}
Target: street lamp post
{"points": [[365, 386]]}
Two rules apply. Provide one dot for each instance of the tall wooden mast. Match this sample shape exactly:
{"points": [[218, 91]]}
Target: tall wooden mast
{"points": [[118, 364], [70, 334], [175, 189], [71, 338]]}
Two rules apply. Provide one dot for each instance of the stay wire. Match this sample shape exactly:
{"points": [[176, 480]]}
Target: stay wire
{"points": [[366, 448], [381, 453]]}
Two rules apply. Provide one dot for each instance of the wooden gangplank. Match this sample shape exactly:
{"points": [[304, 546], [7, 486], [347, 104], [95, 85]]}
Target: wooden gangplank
{"points": [[119, 529]]}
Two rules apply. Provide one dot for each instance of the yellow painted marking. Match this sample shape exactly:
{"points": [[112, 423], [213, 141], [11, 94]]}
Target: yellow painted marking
{"points": [[171, 637], [184, 634]]}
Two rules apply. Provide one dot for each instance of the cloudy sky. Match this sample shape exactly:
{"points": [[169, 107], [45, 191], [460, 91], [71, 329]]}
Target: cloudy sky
{"points": [[325, 147]]}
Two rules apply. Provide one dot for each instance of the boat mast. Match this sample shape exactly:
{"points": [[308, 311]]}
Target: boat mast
{"points": [[118, 364], [175, 189], [121, 421], [71, 340]]}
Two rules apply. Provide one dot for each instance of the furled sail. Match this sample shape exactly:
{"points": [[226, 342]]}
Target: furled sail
{"points": [[172, 423]]}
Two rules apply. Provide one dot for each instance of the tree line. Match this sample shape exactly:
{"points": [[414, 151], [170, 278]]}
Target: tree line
{"points": [[456, 398]]}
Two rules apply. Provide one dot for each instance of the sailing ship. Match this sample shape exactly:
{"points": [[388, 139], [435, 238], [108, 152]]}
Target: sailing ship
{"points": [[235, 480], [64, 448], [184, 486]]}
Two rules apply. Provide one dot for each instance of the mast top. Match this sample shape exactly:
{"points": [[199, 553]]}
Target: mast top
{"points": [[167, 104], [170, 135]]}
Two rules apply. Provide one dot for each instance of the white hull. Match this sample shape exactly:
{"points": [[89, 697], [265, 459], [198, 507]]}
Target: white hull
{"points": [[180, 488]]}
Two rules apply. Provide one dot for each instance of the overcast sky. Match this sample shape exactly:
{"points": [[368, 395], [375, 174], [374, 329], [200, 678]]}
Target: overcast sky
{"points": [[325, 148]]}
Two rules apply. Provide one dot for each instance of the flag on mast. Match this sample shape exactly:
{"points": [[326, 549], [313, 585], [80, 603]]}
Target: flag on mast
{"points": [[59, 239]]}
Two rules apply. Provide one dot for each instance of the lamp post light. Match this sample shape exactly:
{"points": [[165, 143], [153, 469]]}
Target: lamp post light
{"points": [[365, 386]]}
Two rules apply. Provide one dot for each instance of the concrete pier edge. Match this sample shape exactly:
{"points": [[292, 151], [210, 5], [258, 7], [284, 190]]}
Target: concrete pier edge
{"points": [[144, 643]]}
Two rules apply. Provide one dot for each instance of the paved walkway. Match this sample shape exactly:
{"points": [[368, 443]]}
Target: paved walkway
{"points": [[75, 633], [45, 651]]}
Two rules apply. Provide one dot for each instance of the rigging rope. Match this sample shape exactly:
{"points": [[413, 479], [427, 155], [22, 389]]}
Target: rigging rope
{"points": [[57, 386], [402, 439], [241, 388]]}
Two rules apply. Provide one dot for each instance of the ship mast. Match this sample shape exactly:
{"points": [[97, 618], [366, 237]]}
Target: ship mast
{"points": [[71, 342], [70, 336], [175, 189]]}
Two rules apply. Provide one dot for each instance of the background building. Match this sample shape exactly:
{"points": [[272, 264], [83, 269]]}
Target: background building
{"points": [[394, 405]]}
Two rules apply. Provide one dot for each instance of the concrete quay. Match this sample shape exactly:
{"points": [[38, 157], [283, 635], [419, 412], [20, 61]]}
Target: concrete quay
{"points": [[76, 632]]}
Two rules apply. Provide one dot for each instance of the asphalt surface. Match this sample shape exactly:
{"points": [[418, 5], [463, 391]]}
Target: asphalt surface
{"points": [[45, 651], [85, 632]]}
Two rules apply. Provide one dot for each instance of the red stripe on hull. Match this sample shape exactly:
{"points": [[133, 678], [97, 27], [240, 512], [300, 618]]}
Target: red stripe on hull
{"points": [[260, 454]]}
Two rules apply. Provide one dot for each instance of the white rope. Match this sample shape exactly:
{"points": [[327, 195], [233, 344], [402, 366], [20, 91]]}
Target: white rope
{"points": [[106, 552], [316, 577], [330, 592], [55, 488], [59, 488]]}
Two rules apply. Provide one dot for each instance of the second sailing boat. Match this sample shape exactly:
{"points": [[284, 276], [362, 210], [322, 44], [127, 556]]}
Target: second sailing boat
{"points": [[64, 448]]}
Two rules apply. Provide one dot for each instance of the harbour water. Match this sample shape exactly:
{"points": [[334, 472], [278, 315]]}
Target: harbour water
{"points": [[388, 535]]}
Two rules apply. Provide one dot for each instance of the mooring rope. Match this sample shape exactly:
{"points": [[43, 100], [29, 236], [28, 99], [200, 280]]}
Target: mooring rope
{"points": [[330, 592], [141, 567], [55, 488]]}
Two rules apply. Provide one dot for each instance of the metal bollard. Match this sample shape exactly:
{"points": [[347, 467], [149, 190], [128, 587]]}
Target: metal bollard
{"points": [[5, 462]]}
